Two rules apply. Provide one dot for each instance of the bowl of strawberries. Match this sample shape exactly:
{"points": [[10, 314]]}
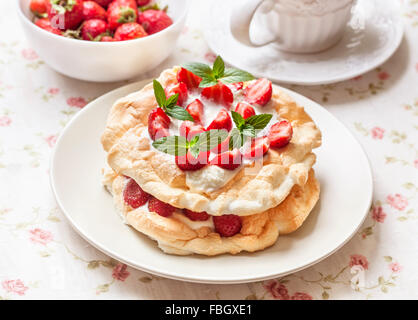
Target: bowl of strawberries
{"points": [[103, 40]]}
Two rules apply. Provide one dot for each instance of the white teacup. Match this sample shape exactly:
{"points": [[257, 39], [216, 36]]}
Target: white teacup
{"points": [[300, 26]]}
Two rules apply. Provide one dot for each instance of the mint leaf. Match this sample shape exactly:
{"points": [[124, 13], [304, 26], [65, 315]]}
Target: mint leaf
{"points": [[248, 130], [235, 139], [211, 139], [172, 101], [179, 113], [207, 82], [194, 150], [238, 119], [200, 69], [159, 94], [174, 145], [259, 121], [233, 75], [218, 67]]}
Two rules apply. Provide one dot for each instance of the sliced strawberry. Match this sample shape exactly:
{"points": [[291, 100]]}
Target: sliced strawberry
{"points": [[227, 225], [220, 94], [196, 216], [190, 129], [280, 134], [161, 208], [222, 121], [229, 160], [190, 163], [196, 110], [237, 85], [258, 148], [191, 80], [222, 147], [259, 92], [245, 110], [134, 195], [179, 88], [158, 124]]}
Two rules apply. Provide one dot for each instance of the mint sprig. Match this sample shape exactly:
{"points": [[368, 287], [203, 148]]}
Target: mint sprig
{"points": [[169, 105], [218, 72]]}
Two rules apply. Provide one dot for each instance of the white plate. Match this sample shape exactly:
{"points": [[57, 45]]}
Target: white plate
{"points": [[372, 36], [342, 169]]}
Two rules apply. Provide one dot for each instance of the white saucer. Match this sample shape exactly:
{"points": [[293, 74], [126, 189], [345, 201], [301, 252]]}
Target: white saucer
{"points": [[372, 36], [342, 169]]}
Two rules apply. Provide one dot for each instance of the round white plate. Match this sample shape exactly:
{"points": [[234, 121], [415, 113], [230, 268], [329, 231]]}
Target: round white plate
{"points": [[342, 169], [372, 36]]}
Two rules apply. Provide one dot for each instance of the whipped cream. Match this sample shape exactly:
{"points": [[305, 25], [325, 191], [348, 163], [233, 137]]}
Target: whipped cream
{"points": [[209, 178], [309, 7]]}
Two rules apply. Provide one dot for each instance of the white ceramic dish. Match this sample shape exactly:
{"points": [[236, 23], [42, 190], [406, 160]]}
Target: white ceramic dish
{"points": [[104, 61], [342, 169], [371, 37]]}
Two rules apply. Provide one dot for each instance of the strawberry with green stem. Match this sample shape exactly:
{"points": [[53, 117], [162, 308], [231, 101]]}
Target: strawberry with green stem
{"points": [[119, 13], [92, 10], [65, 14], [39, 8], [93, 30]]}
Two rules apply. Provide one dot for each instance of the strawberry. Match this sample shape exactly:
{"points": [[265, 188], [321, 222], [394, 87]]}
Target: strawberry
{"points": [[134, 195], [191, 80], [38, 7], [142, 3], [222, 121], [237, 85], [259, 92], [158, 124], [107, 39], [222, 147], [220, 94], [154, 21], [92, 10], [229, 160], [91, 29], [258, 148], [195, 109], [196, 216], [280, 134], [129, 31], [119, 13], [127, 3], [245, 110], [65, 14], [103, 3], [189, 129], [45, 24], [227, 225], [179, 88], [161, 208], [190, 163]]}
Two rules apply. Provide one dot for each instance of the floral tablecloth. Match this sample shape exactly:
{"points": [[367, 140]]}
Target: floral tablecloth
{"points": [[42, 257]]}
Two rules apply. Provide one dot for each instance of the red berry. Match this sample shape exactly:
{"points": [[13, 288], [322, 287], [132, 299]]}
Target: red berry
{"points": [[118, 14], [179, 88], [127, 3], [129, 31], [154, 21], [38, 7], [190, 163], [45, 24], [161, 208], [134, 195], [70, 17], [237, 85], [258, 148], [280, 134], [143, 2], [222, 147], [189, 129], [245, 110], [222, 121], [103, 3], [229, 160], [259, 92], [93, 28], [227, 225], [191, 80], [220, 94], [195, 109], [158, 124], [196, 216], [107, 39], [92, 10]]}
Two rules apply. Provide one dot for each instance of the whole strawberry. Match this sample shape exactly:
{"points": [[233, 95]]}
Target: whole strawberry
{"points": [[93, 28], [120, 12], [154, 21], [107, 39], [143, 2], [227, 225], [45, 24], [103, 3], [129, 31], [38, 7], [65, 14], [92, 10]]}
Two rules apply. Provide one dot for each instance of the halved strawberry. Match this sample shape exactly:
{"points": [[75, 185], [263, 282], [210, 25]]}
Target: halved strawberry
{"points": [[245, 110], [222, 147], [190, 163], [222, 121], [229, 160], [220, 94], [237, 85], [158, 124], [134, 195], [227, 225], [280, 134], [179, 88], [196, 110], [191, 80], [196, 216], [189, 129], [161, 208], [259, 92], [258, 148]]}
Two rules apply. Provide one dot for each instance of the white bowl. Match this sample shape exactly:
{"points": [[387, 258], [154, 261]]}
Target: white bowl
{"points": [[104, 61]]}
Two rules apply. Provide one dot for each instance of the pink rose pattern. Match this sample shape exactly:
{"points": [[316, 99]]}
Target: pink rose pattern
{"points": [[51, 140], [14, 286], [378, 214], [77, 102], [53, 91], [416, 163], [5, 121], [40, 236], [377, 133], [397, 201], [359, 260], [395, 267], [29, 54], [280, 292], [120, 273]]}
